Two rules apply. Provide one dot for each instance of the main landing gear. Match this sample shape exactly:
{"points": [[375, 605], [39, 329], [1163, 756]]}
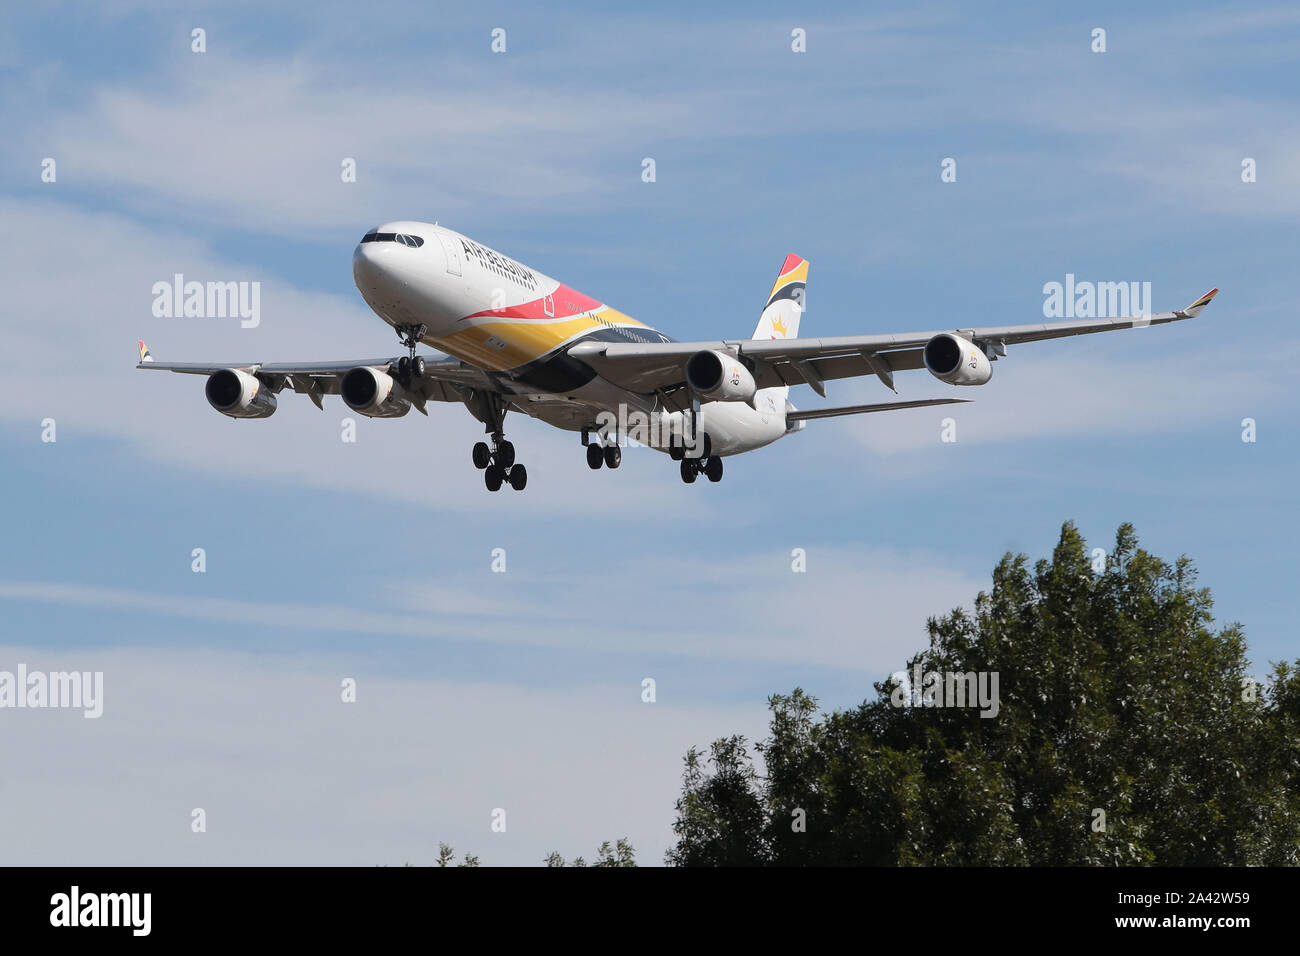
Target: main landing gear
{"points": [[497, 461], [707, 464], [611, 456], [498, 465], [710, 467]]}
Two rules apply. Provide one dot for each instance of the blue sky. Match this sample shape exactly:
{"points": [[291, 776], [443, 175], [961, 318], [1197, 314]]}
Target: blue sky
{"points": [[523, 690]]}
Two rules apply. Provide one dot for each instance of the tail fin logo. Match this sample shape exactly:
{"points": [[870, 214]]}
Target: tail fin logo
{"points": [[145, 355], [785, 304]]}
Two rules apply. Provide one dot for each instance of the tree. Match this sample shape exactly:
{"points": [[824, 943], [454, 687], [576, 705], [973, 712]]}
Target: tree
{"points": [[621, 854], [447, 857], [1126, 732]]}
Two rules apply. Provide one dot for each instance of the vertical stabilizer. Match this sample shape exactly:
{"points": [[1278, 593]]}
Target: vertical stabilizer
{"points": [[785, 305]]}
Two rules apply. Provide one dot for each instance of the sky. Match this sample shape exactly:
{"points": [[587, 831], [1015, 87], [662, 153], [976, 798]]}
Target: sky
{"points": [[522, 690]]}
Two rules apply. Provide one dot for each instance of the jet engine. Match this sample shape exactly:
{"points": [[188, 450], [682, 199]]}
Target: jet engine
{"points": [[370, 392], [952, 359], [719, 377], [240, 395]]}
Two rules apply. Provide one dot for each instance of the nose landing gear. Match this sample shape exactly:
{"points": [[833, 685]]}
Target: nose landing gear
{"points": [[410, 366]]}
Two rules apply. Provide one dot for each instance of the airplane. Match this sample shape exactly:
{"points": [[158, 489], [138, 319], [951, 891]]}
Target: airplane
{"points": [[515, 339]]}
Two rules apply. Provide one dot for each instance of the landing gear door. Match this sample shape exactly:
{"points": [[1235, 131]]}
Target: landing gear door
{"points": [[452, 248]]}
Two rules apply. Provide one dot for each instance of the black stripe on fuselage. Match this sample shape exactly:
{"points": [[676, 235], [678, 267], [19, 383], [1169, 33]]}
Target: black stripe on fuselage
{"points": [[559, 372]]}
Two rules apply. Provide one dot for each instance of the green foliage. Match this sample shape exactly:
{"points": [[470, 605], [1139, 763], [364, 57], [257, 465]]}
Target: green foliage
{"points": [[447, 857], [1116, 695], [621, 854]]}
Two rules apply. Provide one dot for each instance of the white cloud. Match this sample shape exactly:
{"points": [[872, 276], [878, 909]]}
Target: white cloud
{"points": [[260, 145], [256, 143], [290, 775]]}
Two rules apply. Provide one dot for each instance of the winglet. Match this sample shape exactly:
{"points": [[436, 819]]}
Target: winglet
{"points": [[1193, 310], [145, 355]]}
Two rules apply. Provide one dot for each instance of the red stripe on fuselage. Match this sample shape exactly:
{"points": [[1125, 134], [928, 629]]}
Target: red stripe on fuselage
{"points": [[563, 303]]}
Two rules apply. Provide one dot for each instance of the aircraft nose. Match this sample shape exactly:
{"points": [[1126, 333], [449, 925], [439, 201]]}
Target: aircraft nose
{"points": [[366, 270], [377, 267]]}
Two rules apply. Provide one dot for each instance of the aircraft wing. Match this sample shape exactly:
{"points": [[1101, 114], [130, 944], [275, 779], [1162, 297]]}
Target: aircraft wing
{"points": [[658, 367], [314, 379]]}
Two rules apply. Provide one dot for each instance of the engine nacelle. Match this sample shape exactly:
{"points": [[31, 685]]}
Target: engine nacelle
{"points": [[240, 395], [370, 392], [719, 377], [952, 359]]}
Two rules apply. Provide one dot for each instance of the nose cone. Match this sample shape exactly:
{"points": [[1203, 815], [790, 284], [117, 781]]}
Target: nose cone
{"points": [[368, 267], [382, 278]]}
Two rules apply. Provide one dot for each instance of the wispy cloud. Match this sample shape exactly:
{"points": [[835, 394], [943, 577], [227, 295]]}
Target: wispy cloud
{"points": [[260, 145], [852, 609]]}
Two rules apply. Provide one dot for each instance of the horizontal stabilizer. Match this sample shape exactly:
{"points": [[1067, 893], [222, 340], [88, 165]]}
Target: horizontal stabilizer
{"points": [[802, 415]]}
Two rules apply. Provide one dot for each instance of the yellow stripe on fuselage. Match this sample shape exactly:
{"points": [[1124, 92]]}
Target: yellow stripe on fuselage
{"points": [[501, 344]]}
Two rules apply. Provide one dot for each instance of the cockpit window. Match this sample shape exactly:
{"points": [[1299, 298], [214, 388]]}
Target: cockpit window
{"points": [[413, 241]]}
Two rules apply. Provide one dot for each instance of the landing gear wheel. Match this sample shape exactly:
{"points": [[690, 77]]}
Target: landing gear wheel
{"points": [[505, 456], [417, 366], [613, 456], [701, 450], [518, 477], [713, 468], [595, 457], [689, 471], [403, 367], [482, 455], [676, 449], [493, 477]]}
